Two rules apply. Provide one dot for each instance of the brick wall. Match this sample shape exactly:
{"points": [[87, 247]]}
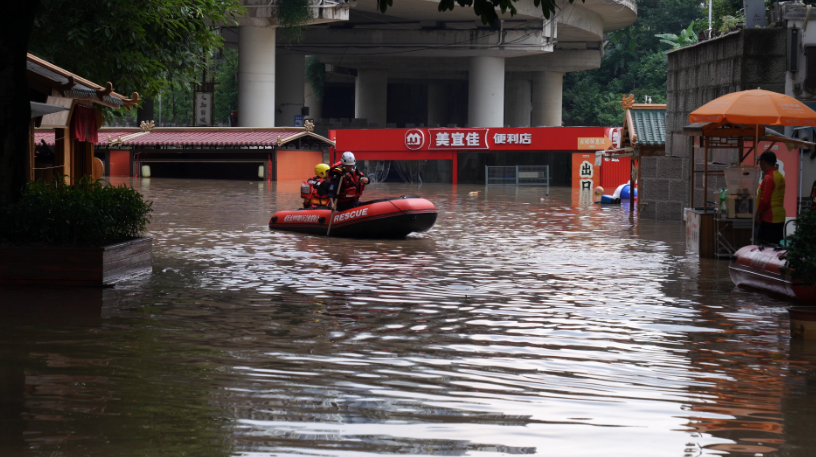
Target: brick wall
{"points": [[697, 74], [742, 60], [664, 187]]}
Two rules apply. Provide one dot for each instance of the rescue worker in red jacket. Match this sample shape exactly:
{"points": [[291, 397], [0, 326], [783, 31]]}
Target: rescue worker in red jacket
{"points": [[770, 212], [354, 182], [313, 189]]}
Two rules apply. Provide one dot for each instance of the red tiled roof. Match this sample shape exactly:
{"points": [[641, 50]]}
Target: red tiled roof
{"points": [[228, 136], [47, 135]]}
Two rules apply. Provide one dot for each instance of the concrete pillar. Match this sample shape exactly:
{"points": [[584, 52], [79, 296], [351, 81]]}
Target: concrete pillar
{"points": [[311, 100], [256, 77], [547, 91], [486, 92], [290, 71], [439, 104], [518, 103], [371, 96]]}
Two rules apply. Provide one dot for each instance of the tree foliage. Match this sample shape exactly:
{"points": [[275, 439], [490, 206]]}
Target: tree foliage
{"points": [[801, 252], [634, 62], [315, 75], [293, 17], [138, 46], [686, 37], [226, 91], [85, 214]]}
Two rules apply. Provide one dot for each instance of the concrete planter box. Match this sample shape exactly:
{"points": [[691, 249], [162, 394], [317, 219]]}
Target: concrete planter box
{"points": [[80, 266]]}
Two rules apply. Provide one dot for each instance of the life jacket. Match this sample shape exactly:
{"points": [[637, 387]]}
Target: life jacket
{"points": [[318, 196], [305, 190], [310, 192], [352, 188], [772, 207]]}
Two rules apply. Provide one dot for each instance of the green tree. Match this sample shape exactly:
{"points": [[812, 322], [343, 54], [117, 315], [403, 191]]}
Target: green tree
{"points": [[634, 62], [177, 105], [801, 254], [316, 75], [686, 37], [585, 103], [668, 16], [226, 92], [137, 46], [623, 49]]}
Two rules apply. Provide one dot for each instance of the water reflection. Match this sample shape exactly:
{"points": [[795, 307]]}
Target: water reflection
{"points": [[521, 324]]}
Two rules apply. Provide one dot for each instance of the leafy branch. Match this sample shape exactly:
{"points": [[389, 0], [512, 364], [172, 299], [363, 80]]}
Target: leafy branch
{"points": [[801, 253], [293, 17], [687, 37], [315, 75]]}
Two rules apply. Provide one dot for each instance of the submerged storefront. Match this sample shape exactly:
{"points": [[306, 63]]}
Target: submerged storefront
{"points": [[460, 155]]}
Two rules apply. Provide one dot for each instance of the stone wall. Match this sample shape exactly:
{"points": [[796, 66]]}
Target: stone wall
{"points": [[663, 187], [742, 60]]}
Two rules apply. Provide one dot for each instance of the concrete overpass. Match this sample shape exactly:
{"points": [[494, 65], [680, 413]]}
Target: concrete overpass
{"points": [[513, 71]]}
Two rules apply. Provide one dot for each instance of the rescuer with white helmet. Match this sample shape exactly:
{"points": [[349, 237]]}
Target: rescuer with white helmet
{"points": [[347, 159], [353, 182]]}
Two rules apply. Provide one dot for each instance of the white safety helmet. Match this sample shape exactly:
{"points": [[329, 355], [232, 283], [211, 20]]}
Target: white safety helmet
{"points": [[348, 158]]}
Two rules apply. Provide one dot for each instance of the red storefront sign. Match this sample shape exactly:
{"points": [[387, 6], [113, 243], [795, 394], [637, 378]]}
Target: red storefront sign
{"points": [[467, 139], [446, 143], [458, 139]]}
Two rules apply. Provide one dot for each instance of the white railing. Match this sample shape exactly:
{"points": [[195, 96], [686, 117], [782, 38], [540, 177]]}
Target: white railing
{"points": [[518, 175]]}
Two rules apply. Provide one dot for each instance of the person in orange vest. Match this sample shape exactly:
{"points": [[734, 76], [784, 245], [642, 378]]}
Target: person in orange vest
{"points": [[354, 182], [313, 190], [770, 213]]}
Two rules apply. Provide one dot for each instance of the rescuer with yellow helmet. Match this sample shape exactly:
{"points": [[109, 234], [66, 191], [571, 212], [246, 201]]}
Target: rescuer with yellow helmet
{"points": [[321, 169], [311, 191]]}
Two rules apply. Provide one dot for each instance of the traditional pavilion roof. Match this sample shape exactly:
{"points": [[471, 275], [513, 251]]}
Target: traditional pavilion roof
{"points": [[650, 126], [644, 124], [72, 86], [200, 137]]}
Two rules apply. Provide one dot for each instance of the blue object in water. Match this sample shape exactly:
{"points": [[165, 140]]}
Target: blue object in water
{"points": [[608, 199], [625, 192]]}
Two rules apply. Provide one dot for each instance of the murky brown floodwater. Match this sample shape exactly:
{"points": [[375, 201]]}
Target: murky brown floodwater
{"points": [[516, 326]]}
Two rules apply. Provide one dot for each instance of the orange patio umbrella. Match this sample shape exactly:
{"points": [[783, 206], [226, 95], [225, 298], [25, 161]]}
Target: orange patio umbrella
{"points": [[755, 107], [758, 106]]}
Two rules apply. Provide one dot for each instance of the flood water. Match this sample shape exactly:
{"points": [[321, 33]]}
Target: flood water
{"points": [[515, 326]]}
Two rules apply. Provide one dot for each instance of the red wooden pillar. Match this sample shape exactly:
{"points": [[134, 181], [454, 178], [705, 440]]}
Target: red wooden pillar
{"points": [[455, 158]]}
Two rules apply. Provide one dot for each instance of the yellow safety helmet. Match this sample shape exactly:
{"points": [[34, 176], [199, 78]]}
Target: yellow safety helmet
{"points": [[321, 169]]}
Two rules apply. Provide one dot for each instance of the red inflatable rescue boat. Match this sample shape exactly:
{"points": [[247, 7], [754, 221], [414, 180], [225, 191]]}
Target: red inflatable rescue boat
{"points": [[389, 218], [758, 267]]}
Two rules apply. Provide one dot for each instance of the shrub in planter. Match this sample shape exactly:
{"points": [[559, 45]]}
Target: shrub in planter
{"points": [[85, 214], [801, 251]]}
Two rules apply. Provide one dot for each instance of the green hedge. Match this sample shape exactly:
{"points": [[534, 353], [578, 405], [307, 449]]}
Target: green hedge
{"points": [[85, 214], [801, 255]]}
